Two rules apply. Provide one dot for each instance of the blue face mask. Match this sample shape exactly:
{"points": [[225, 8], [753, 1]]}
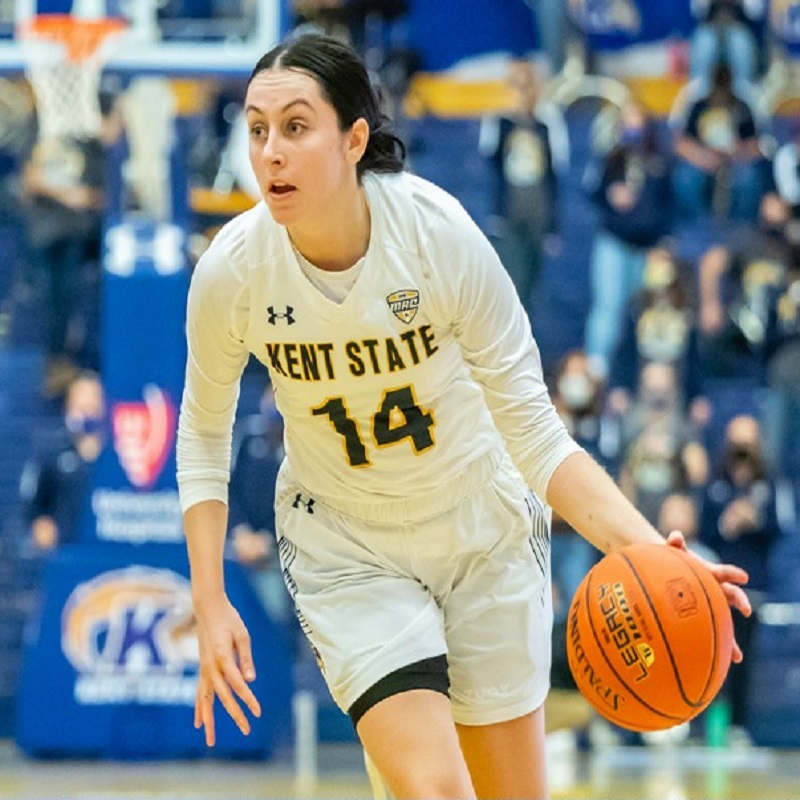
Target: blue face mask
{"points": [[632, 137], [85, 426]]}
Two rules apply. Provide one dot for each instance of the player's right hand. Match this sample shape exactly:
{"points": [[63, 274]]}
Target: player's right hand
{"points": [[226, 667]]}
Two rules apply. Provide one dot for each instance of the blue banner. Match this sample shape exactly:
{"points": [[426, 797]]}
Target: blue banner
{"points": [[145, 283], [110, 668]]}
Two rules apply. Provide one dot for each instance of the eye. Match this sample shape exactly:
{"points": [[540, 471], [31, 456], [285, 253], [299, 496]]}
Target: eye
{"points": [[258, 130], [295, 127]]}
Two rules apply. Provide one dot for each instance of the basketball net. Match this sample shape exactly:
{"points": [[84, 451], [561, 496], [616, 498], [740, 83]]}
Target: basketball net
{"points": [[64, 58]]}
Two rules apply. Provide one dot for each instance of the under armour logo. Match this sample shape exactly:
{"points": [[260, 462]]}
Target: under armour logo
{"points": [[276, 315], [307, 504]]}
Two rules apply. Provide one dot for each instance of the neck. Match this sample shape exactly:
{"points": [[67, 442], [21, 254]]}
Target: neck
{"points": [[341, 240]]}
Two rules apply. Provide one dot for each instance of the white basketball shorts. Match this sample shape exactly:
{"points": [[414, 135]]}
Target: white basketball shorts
{"points": [[472, 582]]}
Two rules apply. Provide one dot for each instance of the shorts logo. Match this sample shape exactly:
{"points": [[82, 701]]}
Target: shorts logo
{"points": [[404, 304], [308, 505], [273, 316], [143, 436]]}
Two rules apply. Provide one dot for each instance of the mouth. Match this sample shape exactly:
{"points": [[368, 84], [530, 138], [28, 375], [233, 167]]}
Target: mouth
{"points": [[278, 189]]}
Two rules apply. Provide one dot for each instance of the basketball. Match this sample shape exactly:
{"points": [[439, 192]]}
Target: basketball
{"points": [[649, 637]]}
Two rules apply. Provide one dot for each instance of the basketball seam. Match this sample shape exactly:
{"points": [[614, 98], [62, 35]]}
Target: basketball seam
{"points": [[613, 668], [676, 672], [713, 627]]}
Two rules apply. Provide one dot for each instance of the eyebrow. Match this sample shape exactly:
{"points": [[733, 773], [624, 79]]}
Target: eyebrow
{"points": [[297, 101]]}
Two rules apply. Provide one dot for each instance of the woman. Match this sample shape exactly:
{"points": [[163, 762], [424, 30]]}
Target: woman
{"points": [[630, 188], [415, 553]]}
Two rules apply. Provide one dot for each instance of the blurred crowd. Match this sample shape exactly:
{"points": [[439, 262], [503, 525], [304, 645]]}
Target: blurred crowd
{"points": [[686, 387]]}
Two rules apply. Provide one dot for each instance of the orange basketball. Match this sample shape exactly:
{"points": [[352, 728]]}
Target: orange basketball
{"points": [[649, 637]]}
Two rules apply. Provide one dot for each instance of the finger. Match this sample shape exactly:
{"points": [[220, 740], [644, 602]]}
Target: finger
{"points": [[728, 573], [245, 656], [205, 704], [737, 598], [236, 681], [737, 656], [229, 703], [204, 709], [675, 539], [208, 723]]}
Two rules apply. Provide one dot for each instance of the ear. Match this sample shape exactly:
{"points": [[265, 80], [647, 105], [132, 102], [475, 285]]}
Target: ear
{"points": [[357, 139]]}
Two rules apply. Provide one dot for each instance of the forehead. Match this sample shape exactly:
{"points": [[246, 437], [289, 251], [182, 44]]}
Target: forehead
{"points": [[83, 393], [279, 86]]}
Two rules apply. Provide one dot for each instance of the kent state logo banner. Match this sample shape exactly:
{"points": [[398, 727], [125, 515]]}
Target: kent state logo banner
{"points": [[130, 636]]}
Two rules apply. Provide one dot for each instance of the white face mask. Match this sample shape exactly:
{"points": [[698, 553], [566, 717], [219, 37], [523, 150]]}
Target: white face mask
{"points": [[576, 390], [653, 475]]}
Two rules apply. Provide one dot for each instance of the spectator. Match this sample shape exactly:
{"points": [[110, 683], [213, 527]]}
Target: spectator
{"points": [[63, 189], [526, 200], [55, 483], [630, 186], [740, 283], [663, 451], [726, 29], [720, 166], [782, 427], [660, 326], [740, 524], [679, 512], [257, 456]]}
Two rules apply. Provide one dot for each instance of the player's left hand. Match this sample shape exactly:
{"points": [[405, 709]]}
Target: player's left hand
{"points": [[731, 579]]}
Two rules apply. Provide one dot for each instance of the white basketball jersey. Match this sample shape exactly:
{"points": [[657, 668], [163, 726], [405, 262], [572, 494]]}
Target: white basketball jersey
{"points": [[391, 393]]}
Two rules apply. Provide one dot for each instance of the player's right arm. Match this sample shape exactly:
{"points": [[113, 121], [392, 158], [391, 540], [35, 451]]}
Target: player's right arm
{"points": [[216, 318], [226, 661]]}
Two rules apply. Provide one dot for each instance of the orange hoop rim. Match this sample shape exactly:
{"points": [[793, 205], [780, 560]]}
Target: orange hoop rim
{"points": [[81, 38]]}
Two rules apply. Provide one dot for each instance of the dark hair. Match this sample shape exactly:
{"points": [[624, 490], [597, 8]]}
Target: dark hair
{"points": [[345, 84]]}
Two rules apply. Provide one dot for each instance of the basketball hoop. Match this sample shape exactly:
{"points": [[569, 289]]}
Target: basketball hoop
{"points": [[64, 56]]}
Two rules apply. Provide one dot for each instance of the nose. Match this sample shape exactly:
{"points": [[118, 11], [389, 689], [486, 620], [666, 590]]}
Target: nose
{"points": [[272, 151]]}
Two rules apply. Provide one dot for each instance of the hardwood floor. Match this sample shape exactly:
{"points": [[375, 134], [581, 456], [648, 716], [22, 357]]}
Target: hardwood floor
{"points": [[643, 773]]}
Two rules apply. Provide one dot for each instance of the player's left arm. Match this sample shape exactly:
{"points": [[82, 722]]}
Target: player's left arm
{"points": [[589, 500]]}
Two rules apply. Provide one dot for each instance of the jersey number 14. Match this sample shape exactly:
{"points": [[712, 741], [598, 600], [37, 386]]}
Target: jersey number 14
{"points": [[399, 417]]}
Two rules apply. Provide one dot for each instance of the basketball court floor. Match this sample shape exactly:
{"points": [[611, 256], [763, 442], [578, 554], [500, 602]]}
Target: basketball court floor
{"points": [[643, 773]]}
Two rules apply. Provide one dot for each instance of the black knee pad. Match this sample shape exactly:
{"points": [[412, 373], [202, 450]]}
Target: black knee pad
{"points": [[430, 673]]}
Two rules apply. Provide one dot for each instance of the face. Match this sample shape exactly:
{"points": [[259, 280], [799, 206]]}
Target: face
{"points": [[302, 160], [743, 448], [678, 514], [85, 407]]}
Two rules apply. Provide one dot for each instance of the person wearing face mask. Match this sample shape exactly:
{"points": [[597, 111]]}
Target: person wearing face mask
{"points": [[631, 189], [662, 448], [720, 167], [740, 523], [660, 326], [741, 283], [55, 484]]}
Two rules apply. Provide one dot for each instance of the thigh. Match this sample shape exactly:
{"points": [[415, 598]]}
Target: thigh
{"points": [[364, 616], [507, 759], [412, 741]]}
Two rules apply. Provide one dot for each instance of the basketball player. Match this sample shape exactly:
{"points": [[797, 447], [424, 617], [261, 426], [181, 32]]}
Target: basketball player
{"points": [[421, 444]]}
